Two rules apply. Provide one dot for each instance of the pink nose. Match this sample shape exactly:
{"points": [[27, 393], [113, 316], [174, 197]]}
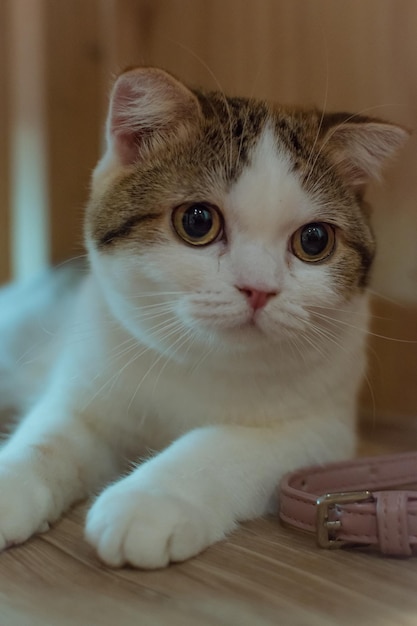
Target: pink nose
{"points": [[257, 298]]}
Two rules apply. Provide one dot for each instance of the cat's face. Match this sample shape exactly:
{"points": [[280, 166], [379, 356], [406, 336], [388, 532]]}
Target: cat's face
{"points": [[227, 222]]}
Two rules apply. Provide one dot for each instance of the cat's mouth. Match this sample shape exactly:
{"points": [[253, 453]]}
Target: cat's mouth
{"points": [[251, 324], [253, 320], [225, 318]]}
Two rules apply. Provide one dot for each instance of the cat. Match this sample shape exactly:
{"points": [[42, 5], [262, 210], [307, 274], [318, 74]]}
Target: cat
{"points": [[217, 338]]}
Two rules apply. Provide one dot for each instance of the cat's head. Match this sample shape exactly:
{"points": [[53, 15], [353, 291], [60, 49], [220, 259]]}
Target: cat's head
{"points": [[229, 220]]}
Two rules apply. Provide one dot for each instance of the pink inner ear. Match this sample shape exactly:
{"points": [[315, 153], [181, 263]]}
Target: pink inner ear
{"points": [[127, 146], [124, 105], [361, 149], [122, 128], [146, 106]]}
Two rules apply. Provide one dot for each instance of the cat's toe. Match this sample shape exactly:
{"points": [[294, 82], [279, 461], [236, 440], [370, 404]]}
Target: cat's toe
{"points": [[146, 529], [25, 507]]}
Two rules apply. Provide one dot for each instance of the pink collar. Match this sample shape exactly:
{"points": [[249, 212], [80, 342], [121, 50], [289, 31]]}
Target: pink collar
{"points": [[355, 503]]}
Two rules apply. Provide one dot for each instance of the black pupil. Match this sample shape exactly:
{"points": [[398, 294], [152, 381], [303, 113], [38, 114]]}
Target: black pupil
{"points": [[314, 239], [197, 221]]}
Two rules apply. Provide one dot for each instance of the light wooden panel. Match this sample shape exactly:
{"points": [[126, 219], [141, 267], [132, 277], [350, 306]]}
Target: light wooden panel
{"points": [[4, 154], [29, 214]]}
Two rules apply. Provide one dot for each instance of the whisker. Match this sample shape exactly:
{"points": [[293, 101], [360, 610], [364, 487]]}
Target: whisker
{"points": [[158, 305], [364, 314], [150, 315], [323, 110], [203, 357], [381, 296], [73, 259], [327, 335], [148, 294], [336, 322], [188, 334], [295, 341], [245, 120], [320, 348], [154, 364], [171, 327], [224, 98], [112, 380]]}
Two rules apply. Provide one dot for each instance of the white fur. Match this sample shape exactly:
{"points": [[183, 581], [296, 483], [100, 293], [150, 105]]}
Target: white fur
{"points": [[163, 352]]}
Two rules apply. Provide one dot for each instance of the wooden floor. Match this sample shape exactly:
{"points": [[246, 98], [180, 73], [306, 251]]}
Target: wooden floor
{"points": [[262, 575]]}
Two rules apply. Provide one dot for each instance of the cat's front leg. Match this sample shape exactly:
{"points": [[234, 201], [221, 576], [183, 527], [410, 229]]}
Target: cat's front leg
{"points": [[196, 491], [51, 461]]}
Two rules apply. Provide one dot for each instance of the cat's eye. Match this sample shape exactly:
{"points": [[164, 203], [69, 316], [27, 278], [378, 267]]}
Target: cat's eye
{"points": [[198, 224], [313, 242]]}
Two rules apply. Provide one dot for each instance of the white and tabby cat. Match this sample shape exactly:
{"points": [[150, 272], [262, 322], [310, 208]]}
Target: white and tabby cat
{"points": [[222, 322]]}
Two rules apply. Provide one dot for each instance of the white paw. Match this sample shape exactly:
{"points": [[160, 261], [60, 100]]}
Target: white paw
{"points": [[147, 528], [25, 506]]}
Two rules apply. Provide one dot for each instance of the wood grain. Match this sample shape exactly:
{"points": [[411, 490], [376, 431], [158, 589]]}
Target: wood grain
{"points": [[263, 574], [389, 393], [75, 126]]}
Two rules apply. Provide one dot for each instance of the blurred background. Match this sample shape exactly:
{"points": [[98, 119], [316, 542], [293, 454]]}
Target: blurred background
{"points": [[57, 59]]}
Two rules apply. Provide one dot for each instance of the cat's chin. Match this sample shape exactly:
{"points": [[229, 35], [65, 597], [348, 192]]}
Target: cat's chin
{"points": [[253, 328], [244, 337]]}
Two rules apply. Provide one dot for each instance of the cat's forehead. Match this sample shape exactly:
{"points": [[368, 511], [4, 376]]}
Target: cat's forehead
{"points": [[260, 164], [269, 157], [239, 122], [268, 194]]}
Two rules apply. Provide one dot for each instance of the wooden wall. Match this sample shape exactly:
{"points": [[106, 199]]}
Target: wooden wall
{"points": [[4, 154], [74, 105], [347, 54]]}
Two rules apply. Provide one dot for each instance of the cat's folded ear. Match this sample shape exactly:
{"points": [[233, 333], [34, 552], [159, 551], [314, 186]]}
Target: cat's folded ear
{"points": [[148, 107], [360, 146]]}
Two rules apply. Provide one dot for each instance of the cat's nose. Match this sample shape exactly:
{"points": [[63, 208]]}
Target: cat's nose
{"points": [[256, 297]]}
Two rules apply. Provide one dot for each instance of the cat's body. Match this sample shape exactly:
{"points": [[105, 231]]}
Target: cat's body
{"points": [[33, 315], [105, 372], [223, 322]]}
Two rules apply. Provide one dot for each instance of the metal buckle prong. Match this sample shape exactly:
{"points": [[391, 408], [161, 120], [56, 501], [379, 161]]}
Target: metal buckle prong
{"points": [[326, 527]]}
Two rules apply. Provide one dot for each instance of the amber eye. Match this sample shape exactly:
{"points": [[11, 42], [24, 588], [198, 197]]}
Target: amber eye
{"points": [[198, 224], [313, 242]]}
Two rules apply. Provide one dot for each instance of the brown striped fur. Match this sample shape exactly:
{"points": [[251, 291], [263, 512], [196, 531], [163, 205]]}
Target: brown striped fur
{"points": [[202, 163]]}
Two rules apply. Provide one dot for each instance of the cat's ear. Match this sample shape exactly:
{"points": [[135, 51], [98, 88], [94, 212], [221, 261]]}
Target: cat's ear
{"points": [[148, 107], [361, 148]]}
